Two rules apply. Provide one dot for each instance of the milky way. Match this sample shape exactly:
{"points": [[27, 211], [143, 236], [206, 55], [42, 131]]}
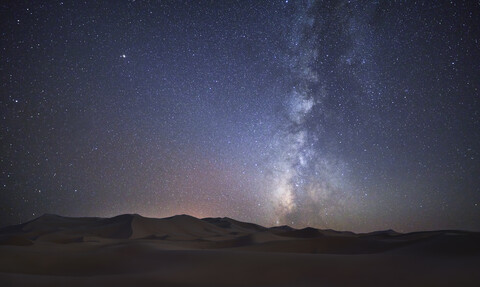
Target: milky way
{"points": [[353, 115], [304, 180]]}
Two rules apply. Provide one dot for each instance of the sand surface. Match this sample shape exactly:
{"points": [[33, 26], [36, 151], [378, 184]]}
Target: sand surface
{"points": [[131, 250]]}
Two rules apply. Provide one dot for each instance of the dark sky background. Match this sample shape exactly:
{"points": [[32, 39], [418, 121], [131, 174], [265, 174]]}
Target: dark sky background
{"points": [[351, 115]]}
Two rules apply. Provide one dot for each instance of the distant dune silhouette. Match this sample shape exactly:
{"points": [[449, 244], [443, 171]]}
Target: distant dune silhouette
{"points": [[132, 250]]}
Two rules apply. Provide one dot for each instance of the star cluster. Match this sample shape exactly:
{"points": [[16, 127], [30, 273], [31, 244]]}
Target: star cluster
{"points": [[353, 115]]}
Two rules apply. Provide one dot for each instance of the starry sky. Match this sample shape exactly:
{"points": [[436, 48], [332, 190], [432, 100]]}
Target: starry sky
{"points": [[350, 115]]}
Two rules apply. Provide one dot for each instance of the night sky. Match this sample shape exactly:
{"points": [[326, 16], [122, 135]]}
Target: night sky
{"points": [[350, 115]]}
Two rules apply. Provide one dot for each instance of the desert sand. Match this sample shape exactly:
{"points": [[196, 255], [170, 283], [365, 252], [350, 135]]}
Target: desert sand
{"points": [[131, 250]]}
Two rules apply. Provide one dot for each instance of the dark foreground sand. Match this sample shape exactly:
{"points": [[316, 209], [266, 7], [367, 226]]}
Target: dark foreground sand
{"points": [[130, 250]]}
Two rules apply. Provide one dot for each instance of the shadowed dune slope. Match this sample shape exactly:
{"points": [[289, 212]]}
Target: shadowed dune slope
{"points": [[132, 250]]}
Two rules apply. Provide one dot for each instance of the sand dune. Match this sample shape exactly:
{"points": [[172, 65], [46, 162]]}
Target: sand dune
{"points": [[131, 250]]}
